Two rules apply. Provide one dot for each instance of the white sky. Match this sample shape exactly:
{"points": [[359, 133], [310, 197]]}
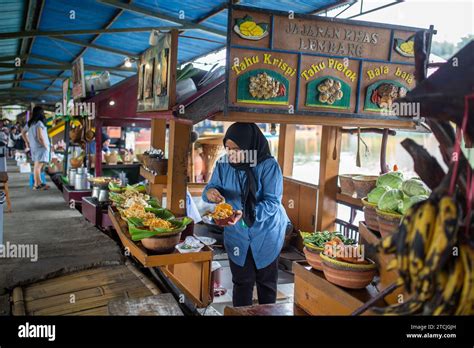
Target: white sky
{"points": [[453, 19]]}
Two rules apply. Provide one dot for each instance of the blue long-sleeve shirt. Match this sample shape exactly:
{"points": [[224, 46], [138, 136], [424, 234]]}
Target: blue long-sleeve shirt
{"points": [[266, 236]]}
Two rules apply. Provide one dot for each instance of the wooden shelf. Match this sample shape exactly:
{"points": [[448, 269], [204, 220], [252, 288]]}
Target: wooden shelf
{"points": [[145, 257], [152, 178], [316, 296], [350, 201], [190, 272], [371, 238]]}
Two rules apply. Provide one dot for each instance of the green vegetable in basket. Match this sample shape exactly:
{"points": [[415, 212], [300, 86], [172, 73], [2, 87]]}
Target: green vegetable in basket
{"points": [[393, 179], [114, 187], [317, 239], [154, 203], [415, 187], [409, 201], [376, 193], [391, 201], [137, 187], [117, 198]]}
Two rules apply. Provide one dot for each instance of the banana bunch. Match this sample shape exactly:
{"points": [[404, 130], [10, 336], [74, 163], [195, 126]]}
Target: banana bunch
{"points": [[438, 274]]}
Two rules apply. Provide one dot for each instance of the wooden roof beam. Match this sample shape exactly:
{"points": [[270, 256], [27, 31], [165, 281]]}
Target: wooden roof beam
{"points": [[64, 66], [143, 11], [97, 47], [53, 33]]}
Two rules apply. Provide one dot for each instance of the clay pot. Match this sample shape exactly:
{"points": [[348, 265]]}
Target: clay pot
{"points": [[159, 166], [347, 185], [313, 257], [388, 222], [370, 215], [76, 162], [363, 184], [348, 275], [163, 243], [141, 158]]}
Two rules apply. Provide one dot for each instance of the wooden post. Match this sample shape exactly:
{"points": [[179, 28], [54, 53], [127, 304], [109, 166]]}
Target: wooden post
{"points": [[328, 174], [158, 133], [179, 139], [286, 148], [98, 147]]}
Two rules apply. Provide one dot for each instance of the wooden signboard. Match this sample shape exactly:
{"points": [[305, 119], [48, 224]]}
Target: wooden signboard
{"points": [[315, 66], [78, 81], [156, 75]]}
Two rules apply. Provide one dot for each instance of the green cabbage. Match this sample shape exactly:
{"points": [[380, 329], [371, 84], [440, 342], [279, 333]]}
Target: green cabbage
{"points": [[391, 201], [376, 193], [392, 179], [415, 187], [409, 201]]}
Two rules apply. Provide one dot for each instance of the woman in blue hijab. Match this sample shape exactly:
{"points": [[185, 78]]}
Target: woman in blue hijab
{"points": [[250, 179]]}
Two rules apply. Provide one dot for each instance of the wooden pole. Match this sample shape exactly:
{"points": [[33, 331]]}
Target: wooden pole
{"points": [[179, 140], [328, 174], [158, 133], [286, 148]]}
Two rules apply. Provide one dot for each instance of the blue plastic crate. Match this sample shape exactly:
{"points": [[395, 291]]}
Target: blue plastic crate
{"points": [[32, 179]]}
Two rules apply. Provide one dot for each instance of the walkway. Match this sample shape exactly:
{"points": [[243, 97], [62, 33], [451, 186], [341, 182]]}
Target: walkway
{"points": [[54, 239]]}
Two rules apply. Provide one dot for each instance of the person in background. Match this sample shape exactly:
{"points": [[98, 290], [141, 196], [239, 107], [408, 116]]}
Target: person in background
{"points": [[18, 139], [105, 144], [35, 135], [249, 178], [11, 142]]}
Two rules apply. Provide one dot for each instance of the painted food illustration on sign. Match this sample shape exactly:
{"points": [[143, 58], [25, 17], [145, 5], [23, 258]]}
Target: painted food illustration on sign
{"points": [[328, 92], [386, 93], [247, 29], [382, 94], [405, 47], [262, 87]]}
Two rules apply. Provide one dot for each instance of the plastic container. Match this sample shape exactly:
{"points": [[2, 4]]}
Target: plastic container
{"points": [[32, 179], [185, 89]]}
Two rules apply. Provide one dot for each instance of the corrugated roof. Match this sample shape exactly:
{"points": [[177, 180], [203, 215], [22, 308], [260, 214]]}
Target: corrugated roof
{"points": [[11, 19], [66, 15]]}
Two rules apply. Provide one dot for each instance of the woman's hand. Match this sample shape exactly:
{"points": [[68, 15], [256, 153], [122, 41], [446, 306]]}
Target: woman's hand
{"points": [[237, 217], [214, 196]]}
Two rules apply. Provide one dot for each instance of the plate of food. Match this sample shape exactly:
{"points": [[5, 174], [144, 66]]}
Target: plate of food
{"points": [[190, 245], [207, 240], [224, 214]]}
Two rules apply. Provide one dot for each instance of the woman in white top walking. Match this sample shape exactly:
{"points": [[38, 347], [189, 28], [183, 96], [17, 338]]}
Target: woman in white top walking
{"points": [[38, 142]]}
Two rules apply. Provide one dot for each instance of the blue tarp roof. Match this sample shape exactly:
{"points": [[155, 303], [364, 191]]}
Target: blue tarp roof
{"points": [[64, 15]]}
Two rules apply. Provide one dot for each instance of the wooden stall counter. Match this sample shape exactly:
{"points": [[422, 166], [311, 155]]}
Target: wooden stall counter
{"points": [[276, 309], [96, 213], [316, 296], [370, 238], [72, 196], [190, 272]]}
